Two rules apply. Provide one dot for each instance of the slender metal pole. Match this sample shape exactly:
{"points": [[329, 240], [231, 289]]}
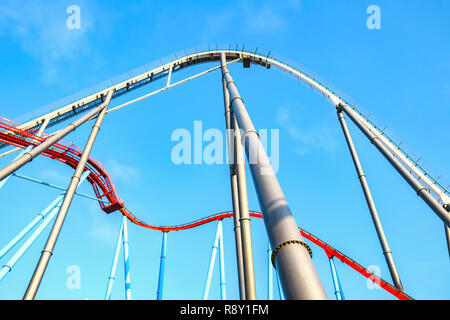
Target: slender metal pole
{"points": [[48, 214], [30, 155], [337, 285], [280, 289], [211, 263], [292, 258], [370, 203], [223, 290], [244, 219], [30, 226], [21, 176], [50, 245], [416, 185], [269, 274], [447, 236], [27, 149], [126, 260], [112, 273], [234, 190], [162, 265]]}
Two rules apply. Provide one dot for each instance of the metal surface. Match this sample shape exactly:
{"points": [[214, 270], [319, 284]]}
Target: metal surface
{"points": [[215, 247], [51, 242], [162, 267], [223, 288], [244, 216], [269, 274], [126, 260], [229, 125], [418, 188], [336, 282], [47, 215], [30, 155], [112, 273], [297, 273], [370, 203]]}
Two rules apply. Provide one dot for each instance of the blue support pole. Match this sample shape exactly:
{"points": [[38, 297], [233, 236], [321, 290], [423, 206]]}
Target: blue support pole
{"points": [[112, 274], [30, 226], [211, 263], [223, 295], [280, 289], [269, 273], [337, 284], [2, 183], [126, 261], [159, 292], [49, 213]]}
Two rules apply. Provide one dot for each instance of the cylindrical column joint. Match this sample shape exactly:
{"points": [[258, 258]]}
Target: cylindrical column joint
{"points": [[290, 256]]}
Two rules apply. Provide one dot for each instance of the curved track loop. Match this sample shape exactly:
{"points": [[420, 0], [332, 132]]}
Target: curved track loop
{"points": [[104, 188]]}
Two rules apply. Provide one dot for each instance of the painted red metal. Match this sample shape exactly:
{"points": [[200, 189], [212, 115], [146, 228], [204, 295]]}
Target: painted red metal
{"points": [[104, 188]]}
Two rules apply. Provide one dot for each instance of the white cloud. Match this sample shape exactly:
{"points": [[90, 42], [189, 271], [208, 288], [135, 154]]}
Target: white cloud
{"points": [[121, 171], [315, 138], [40, 29]]}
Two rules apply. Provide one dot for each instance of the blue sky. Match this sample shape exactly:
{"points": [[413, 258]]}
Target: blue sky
{"points": [[399, 74]]}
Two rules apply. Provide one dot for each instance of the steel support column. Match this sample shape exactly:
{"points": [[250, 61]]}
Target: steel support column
{"points": [[337, 284], [162, 266], [112, 273], [51, 242], [292, 259], [234, 189], [126, 260], [30, 155], [47, 215], [370, 203], [447, 236], [269, 274], [416, 185], [223, 288], [212, 261]]}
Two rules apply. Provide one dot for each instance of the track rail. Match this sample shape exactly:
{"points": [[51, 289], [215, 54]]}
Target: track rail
{"points": [[149, 75]]}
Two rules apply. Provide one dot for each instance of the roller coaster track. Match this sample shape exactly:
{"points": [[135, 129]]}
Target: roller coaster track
{"points": [[104, 188], [24, 135]]}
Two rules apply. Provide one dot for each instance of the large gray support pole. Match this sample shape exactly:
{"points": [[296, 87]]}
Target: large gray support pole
{"points": [[447, 236], [291, 257], [244, 219], [370, 203], [50, 245], [234, 192], [416, 185], [30, 155]]}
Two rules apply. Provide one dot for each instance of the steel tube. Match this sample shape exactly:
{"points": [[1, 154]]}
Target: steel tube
{"points": [[244, 219], [112, 273], [370, 203], [51, 242], [234, 190], [293, 262], [337, 285], [269, 274], [126, 260], [447, 236], [162, 266], [417, 186], [49, 213], [223, 288], [30, 155], [5, 179], [211, 263]]}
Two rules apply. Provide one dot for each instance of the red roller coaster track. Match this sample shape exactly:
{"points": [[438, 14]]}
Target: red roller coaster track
{"points": [[104, 188]]}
